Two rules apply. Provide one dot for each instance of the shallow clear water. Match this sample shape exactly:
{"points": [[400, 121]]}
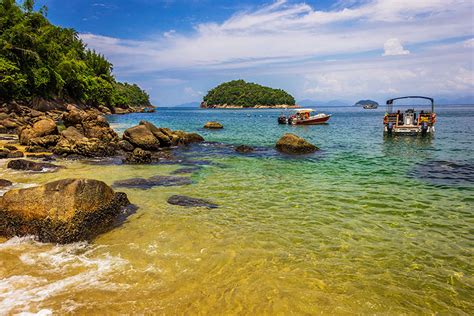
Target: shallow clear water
{"points": [[367, 225]]}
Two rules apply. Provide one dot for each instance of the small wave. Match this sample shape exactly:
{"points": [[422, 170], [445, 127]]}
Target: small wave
{"points": [[78, 266]]}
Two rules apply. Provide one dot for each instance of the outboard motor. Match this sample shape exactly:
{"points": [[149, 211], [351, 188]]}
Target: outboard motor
{"points": [[282, 119], [389, 128], [424, 128]]}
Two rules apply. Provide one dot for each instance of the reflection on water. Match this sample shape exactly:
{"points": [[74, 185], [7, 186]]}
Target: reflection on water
{"points": [[358, 228]]}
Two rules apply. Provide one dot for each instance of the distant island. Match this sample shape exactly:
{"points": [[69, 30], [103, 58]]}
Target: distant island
{"points": [[241, 94], [367, 104]]}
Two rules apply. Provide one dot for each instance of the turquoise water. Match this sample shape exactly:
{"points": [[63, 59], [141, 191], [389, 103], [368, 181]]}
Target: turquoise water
{"points": [[367, 225]]}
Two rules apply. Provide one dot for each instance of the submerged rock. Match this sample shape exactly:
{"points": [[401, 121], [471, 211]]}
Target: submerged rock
{"points": [[23, 164], [187, 201], [138, 156], [244, 149], [141, 183], [62, 211], [186, 170], [213, 125], [5, 183], [293, 144], [443, 172], [15, 154]]}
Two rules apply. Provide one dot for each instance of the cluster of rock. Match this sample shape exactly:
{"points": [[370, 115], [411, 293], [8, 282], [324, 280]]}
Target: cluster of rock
{"points": [[293, 144], [62, 211], [144, 142], [213, 125]]}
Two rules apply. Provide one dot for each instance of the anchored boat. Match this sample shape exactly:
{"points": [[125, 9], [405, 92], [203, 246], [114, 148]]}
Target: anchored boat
{"points": [[409, 122], [304, 117]]}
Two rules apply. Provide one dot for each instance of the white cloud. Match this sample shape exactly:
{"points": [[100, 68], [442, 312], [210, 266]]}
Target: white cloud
{"points": [[393, 47], [282, 36], [192, 93]]}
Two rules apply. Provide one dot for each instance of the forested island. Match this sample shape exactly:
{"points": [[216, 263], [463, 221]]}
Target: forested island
{"points": [[41, 62], [242, 94]]}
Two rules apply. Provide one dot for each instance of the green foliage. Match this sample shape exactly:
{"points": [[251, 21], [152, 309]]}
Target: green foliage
{"points": [[12, 82], [239, 92], [38, 59], [129, 94]]}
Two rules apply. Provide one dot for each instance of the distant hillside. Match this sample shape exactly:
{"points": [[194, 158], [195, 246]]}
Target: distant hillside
{"points": [[238, 93], [313, 103], [194, 104]]}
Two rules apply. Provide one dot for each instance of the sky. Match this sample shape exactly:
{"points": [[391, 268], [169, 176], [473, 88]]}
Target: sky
{"points": [[321, 50]]}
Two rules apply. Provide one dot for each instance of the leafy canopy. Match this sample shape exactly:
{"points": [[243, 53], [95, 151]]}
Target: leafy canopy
{"points": [[246, 94], [39, 59]]}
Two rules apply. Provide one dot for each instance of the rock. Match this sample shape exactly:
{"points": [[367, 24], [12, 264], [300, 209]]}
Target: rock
{"points": [[120, 111], [164, 139], [35, 149], [142, 137], [9, 123], [41, 128], [186, 170], [45, 142], [4, 153], [62, 211], [72, 133], [193, 138], [10, 147], [213, 125], [15, 154], [292, 144], [23, 164], [5, 183], [138, 156], [126, 146], [244, 149], [141, 183], [87, 147], [187, 201]]}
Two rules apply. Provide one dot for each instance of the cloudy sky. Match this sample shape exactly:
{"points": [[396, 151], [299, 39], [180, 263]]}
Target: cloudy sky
{"points": [[322, 50]]}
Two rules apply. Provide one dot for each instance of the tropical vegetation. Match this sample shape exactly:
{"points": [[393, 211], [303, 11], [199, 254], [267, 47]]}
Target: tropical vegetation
{"points": [[246, 94], [41, 60]]}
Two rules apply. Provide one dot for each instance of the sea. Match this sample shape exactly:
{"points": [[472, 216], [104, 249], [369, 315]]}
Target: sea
{"points": [[366, 225]]}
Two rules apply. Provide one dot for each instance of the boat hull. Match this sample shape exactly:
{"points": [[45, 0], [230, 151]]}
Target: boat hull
{"points": [[312, 120]]}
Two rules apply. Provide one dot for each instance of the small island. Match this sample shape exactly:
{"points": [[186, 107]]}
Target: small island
{"points": [[367, 104], [242, 94]]}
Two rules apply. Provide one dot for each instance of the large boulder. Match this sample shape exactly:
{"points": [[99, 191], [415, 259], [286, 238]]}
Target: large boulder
{"points": [[163, 138], [141, 136], [293, 144], [41, 128], [213, 125], [62, 211]]}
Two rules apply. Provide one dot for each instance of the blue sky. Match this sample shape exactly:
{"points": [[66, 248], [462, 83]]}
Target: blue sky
{"points": [[323, 50]]}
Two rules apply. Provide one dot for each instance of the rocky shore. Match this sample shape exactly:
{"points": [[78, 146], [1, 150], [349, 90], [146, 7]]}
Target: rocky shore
{"points": [[79, 209]]}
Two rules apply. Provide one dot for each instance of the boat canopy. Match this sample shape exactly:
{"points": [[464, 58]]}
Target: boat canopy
{"points": [[304, 110], [390, 102]]}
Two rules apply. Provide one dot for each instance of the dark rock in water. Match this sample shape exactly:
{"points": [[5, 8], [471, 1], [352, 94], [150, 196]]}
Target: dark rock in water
{"points": [[293, 144], [35, 149], [138, 156], [4, 153], [62, 211], [193, 138], [213, 125], [23, 164], [141, 183], [5, 183], [243, 149], [187, 201], [11, 147], [15, 154], [440, 172], [186, 170]]}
